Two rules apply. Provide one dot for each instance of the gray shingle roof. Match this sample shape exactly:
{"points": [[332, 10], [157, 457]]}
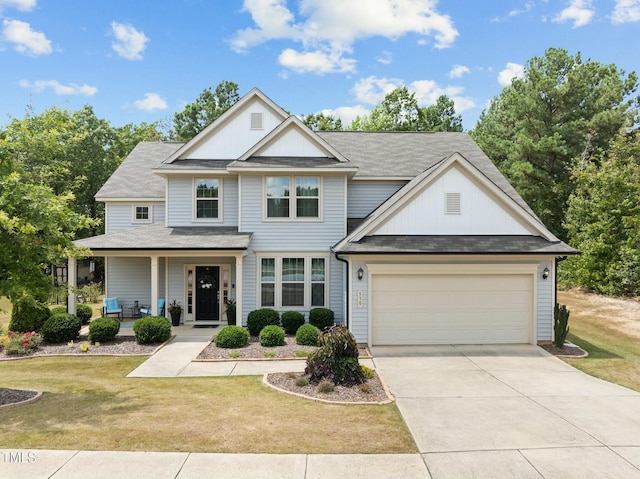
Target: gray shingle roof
{"points": [[188, 164], [158, 237], [503, 244], [134, 178]]}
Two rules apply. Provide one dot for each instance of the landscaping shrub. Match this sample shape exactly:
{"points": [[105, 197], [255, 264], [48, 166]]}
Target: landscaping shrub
{"points": [[367, 372], [61, 327], [307, 335], [84, 312], [291, 321], [58, 310], [326, 387], [104, 329], [271, 336], [259, 318], [232, 337], [28, 314], [302, 382], [20, 343], [560, 324], [321, 318], [336, 360], [152, 329]]}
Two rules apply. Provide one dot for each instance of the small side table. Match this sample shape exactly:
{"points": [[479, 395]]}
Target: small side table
{"points": [[135, 312]]}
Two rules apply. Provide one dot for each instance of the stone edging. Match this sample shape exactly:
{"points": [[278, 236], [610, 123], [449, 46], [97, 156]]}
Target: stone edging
{"points": [[21, 403], [391, 398]]}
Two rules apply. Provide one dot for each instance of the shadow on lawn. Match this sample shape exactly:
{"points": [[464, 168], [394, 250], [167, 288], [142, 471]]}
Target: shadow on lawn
{"points": [[595, 352]]}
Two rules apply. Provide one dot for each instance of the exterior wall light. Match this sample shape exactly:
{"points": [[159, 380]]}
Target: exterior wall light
{"points": [[545, 273], [360, 273]]}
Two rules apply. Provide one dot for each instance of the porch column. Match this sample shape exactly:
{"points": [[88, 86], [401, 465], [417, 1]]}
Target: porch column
{"points": [[72, 282], [155, 275], [239, 288]]}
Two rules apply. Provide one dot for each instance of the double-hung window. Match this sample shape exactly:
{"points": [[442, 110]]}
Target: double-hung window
{"points": [[292, 197], [296, 281], [207, 198]]}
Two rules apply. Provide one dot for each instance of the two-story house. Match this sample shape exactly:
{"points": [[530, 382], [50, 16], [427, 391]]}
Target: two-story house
{"points": [[410, 238]]}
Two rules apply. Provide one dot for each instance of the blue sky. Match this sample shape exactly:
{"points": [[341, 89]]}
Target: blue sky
{"points": [[143, 60]]}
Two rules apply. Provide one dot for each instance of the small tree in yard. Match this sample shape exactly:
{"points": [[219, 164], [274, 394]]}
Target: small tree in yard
{"points": [[560, 324], [337, 359]]}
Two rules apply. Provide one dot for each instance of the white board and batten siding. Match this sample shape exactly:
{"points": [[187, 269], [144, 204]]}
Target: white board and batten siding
{"points": [[181, 202], [236, 136], [365, 196], [119, 216], [294, 236], [480, 212]]}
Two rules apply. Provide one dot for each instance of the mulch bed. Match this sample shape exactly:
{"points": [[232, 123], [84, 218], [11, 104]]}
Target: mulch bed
{"points": [[571, 351], [13, 396]]}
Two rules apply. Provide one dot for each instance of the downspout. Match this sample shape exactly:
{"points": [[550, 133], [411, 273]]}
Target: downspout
{"points": [[346, 319]]}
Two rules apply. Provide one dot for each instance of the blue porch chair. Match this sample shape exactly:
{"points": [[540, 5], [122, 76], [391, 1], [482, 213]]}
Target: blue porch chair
{"points": [[147, 311], [112, 306]]}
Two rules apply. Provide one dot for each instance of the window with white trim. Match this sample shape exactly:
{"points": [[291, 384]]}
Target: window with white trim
{"points": [[141, 214], [300, 201], [290, 282], [207, 198]]}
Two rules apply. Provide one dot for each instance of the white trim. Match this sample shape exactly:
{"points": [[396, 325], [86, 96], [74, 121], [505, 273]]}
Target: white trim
{"points": [[134, 211], [194, 200], [293, 204], [120, 199], [248, 170], [278, 257]]}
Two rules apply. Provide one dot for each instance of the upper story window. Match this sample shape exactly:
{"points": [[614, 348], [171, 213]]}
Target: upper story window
{"points": [[207, 198], [141, 214], [293, 197]]}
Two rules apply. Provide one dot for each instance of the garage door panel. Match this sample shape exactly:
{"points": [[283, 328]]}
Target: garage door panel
{"points": [[451, 309]]}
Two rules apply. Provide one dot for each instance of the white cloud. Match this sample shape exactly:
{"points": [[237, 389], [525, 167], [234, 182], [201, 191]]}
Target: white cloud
{"points": [[58, 88], [458, 70], [317, 62], [152, 101], [626, 11], [129, 42], [580, 12], [25, 39], [385, 57], [347, 113], [23, 5], [528, 6], [333, 26], [512, 70], [372, 90]]}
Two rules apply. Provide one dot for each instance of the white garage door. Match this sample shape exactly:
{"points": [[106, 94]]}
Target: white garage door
{"points": [[451, 309]]}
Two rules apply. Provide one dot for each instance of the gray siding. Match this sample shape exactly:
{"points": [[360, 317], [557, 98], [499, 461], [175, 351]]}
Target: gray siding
{"points": [[359, 316], [130, 280], [545, 303], [366, 196], [119, 216], [180, 202]]}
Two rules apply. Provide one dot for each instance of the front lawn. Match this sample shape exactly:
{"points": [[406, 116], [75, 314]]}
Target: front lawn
{"points": [[89, 404], [609, 330]]}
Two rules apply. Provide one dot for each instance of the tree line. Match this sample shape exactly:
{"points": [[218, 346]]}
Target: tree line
{"points": [[564, 134]]}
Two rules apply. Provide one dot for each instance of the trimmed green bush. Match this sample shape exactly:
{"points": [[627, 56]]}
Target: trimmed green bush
{"points": [[103, 329], [84, 312], [232, 337], [271, 336], [259, 318], [307, 335], [291, 321], [321, 318], [58, 310], [61, 328], [152, 329], [367, 372], [28, 314]]}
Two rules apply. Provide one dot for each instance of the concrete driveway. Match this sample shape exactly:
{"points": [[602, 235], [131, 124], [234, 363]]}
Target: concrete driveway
{"points": [[511, 412]]}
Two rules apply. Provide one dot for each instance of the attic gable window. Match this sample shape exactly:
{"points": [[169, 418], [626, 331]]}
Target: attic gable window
{"points": [[452, 204], [256, 121], [292, 197], [207, 198], [142, 214]]}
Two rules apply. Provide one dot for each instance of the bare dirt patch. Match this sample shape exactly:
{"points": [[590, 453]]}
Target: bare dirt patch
{"points": [[622, 314]]}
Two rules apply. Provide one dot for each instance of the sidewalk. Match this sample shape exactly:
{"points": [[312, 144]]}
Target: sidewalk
{"points": [[50, 464]]}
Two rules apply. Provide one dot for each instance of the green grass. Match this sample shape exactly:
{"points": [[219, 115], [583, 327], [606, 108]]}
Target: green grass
{"points": [[613, 354], [89, 404]]}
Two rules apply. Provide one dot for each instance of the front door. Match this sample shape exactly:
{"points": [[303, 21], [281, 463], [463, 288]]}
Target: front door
{"points": [[207, 293]]}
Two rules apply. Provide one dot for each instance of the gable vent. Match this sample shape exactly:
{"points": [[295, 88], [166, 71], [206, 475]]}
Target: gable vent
{"points": [[452, 204], [256, 121]]}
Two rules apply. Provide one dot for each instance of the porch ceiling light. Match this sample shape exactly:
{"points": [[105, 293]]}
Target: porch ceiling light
{"points": [[360, 273], [545, 273]]}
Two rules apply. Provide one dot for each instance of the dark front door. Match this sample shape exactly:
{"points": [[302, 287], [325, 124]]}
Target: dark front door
{"points": [[207, 300]]}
